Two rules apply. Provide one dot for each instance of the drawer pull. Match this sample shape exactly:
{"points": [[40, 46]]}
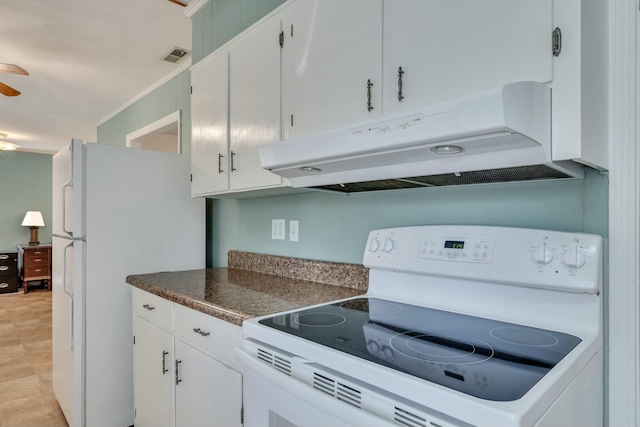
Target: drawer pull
{"points": [[38, 259], [3, 267], [4, 285], [149, 307], [164, 369], [201, 332], [178, 379], [38, 270], [4, 256]]}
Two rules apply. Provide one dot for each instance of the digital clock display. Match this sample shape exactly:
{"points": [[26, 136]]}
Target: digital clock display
{"points": [[454, 244]]}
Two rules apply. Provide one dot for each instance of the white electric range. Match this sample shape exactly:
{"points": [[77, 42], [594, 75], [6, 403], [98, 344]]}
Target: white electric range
{"points": [[461, 326]]}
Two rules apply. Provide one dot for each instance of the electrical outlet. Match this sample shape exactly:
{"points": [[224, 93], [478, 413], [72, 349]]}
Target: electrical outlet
{"points": [[277, 229], [294, 226]]}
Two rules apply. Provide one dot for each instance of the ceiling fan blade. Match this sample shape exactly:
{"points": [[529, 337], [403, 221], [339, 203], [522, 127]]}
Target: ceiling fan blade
{"points": [[178, 2], [13, 69], [8, 90]]}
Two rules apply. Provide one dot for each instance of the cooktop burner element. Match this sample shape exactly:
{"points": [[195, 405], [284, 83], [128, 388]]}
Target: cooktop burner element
{"points": [[467, 353]]}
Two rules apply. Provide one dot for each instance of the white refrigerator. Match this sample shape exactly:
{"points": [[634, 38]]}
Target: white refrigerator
{"points": [[116, 211]]}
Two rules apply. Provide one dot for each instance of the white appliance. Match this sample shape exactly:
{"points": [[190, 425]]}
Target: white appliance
{"points": [[116, 211], [461, 326], [504, 133]]}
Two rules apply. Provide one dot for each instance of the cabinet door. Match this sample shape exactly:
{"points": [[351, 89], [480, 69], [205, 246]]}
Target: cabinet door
{"points": [[209, 125], [254, 80], [153, 375], [332, 48], [450, 48], [208, 394]]}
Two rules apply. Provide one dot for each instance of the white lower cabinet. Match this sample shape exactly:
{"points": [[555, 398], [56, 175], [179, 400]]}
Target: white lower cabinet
{"points": [[185, 374]]}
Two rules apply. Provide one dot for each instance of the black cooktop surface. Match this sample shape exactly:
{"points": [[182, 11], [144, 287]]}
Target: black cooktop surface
{"points": [[485, 358]]}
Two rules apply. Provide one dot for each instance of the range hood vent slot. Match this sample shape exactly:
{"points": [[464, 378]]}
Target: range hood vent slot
{"points": [[500, 135]]}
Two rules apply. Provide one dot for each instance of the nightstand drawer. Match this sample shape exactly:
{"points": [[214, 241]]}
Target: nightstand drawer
{"points": [[8, 284], [8, 264], [36, 261], [34, 272]]}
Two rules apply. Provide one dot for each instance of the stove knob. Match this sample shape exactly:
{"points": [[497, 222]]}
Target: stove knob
{"points": [[388, 245], [542, 254], [386, 353], [574, 258], [374, 245], [373, 347]]}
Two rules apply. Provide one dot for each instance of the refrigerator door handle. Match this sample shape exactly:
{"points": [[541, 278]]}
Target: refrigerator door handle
{"points": [[69, 294], [64, 206]]}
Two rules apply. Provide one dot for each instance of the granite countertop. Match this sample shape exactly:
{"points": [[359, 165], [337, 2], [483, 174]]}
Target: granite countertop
{"points": [[256, 285]]}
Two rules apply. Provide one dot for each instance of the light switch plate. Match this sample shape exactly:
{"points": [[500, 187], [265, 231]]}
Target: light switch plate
{"points": [[277, 229], [294, 226]]}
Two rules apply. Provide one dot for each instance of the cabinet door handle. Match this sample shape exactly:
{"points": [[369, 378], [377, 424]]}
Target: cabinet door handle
{"points": [[369, 86], [3, 256], [164, 369], [220, 156], [400, 74], [4, 285], [201, 332], [178, 380], [233, 169], [149, 307], [3, 267]]}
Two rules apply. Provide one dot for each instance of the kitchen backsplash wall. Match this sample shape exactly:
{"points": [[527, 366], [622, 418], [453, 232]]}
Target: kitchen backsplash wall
{"points": [[25, 185], [335, 227]]}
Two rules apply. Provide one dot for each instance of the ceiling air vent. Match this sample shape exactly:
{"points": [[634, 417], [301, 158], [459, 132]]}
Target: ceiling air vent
{"points": [[176, 55]]}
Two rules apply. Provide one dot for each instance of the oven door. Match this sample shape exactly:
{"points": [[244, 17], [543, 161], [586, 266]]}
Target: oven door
{"points": [[273, 399]]}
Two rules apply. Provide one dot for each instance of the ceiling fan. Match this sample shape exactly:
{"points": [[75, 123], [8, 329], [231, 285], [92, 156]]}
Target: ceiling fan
{"points": [[13, 69]]}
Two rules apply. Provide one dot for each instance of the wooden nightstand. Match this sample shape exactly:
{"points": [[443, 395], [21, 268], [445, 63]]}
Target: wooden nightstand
{"points": [[35, 264]]}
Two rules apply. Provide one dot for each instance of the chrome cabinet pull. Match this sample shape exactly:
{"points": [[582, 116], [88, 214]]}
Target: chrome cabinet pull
{"points": [[4, 285], [369, 86], [233, 169], [3, 268], [220, 157], [178, 380], [201, 332], [400, 74], [4, 256], [149, 307], [164, 369]]}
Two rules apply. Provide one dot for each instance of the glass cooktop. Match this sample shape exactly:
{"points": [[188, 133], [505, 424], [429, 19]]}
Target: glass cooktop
{"points": [[485, 358]]}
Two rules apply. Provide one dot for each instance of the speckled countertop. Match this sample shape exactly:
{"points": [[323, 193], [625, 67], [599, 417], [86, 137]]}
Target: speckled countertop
{"points": [[256, 285]]}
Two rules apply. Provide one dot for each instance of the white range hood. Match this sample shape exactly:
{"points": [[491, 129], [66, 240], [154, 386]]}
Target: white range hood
{"points": [[494, 136]]}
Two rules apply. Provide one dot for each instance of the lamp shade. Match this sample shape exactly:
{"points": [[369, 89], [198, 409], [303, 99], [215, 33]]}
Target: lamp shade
{"points": [[33, 219]]}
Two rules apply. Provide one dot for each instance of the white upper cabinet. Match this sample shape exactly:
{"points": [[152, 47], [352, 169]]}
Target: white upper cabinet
{"points": [[440, 49], [254, 104], [209, 125], [331, 51]]}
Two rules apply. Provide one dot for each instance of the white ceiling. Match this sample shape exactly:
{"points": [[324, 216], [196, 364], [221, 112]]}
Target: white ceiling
{"points": [[86, 59]]}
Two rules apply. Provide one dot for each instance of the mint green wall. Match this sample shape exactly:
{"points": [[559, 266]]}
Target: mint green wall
{"points": [[172, 96], [26, 186], [335, 227]]}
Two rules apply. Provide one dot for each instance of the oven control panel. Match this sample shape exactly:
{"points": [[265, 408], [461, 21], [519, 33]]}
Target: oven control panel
{"points": [[455, 249], [534, 258]]}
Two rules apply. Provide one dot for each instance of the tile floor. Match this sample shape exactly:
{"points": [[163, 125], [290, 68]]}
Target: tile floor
{"points": [[26, 395]]}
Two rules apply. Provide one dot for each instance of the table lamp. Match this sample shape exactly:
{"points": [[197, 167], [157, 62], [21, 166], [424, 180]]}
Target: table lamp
{"points": [[33, 220]]}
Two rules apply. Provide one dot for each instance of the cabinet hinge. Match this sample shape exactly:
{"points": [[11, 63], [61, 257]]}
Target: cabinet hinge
{"points": [[135, 412], [191, 177], [292, 120], [291, 30], [241, 415], [134, 340], [281, 39], [556, 41], [191, 90]]}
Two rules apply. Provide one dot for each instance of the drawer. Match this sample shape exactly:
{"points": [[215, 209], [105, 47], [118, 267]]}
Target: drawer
{"points": [[8, 284], [36, 261], [31, 273], [209, 334], [153, 308], [31, 253], [8, 264]]}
